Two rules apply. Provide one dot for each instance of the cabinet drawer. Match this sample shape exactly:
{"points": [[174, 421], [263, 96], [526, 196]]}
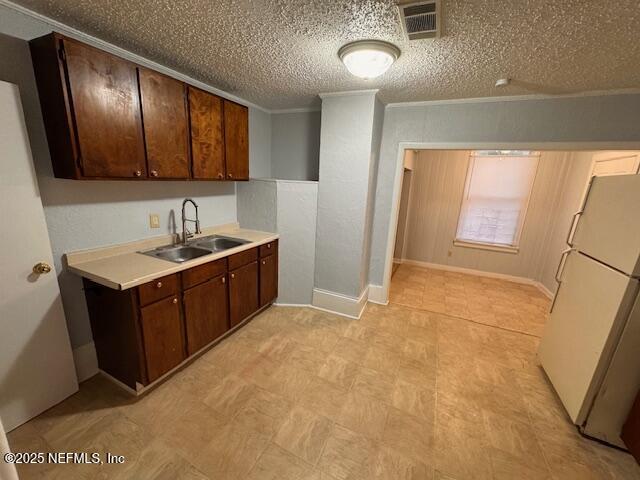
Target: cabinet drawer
{"points": [[158, 289], [268, 248], [242, 258], [202, 273]]}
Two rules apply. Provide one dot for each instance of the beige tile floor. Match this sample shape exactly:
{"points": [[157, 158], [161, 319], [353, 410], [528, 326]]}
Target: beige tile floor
{"points": [[490, 301], [302, 394]]}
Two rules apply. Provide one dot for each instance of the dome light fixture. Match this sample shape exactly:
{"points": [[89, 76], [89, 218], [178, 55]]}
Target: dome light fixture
{"points": [[368, 58]]}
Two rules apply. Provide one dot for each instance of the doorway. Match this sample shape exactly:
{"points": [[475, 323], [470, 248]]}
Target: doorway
{"points": [[490, 260]]}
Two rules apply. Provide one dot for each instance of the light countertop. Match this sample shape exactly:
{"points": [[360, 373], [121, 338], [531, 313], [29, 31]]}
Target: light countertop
{"points": [[122, 266]]}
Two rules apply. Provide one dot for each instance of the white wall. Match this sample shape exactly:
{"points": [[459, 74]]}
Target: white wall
{"points": [[297, 210], [260, 159], [608, 119], [295, 145], [289, 208], [257, 205], [86, 214], [434, 207], [346, 163]]}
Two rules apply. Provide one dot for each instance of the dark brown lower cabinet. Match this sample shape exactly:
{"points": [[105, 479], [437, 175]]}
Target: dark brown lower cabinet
{"points": [[206, 313], [268, 279], [162, 334], [243, 292], [144, 332]]}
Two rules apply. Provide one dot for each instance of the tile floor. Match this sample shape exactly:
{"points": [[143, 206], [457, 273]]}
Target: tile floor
{"points": [[302, 394], [490, 301]]}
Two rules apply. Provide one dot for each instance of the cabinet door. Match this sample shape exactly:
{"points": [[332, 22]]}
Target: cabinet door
{"points": [[162, 336], [106, 111], [207, 140], [268, 279], [206, 313], [236, 140], [243, 292], [164, 118]]}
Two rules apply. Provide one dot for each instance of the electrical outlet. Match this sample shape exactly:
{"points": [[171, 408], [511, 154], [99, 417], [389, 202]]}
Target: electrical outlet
{"points": [[154, 220]]}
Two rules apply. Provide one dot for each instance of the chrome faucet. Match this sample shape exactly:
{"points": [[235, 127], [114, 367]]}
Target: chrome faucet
{"points": [[186, 234]]}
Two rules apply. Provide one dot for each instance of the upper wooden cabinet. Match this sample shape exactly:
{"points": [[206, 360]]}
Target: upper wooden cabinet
{"points": [[107, 117], [236, 138], [101, 105], [165, 124], [207, 137]]}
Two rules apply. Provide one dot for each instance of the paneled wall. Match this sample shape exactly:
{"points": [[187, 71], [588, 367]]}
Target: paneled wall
{"points": [[434, 206]]}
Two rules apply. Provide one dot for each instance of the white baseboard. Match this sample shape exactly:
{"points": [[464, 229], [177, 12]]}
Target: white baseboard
{"points": [[86, 361], [287, 305], [378, 295], [481, 273], [340, 304], [544, 290]]}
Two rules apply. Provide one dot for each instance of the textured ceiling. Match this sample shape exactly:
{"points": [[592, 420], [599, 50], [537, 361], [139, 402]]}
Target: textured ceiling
{"points": [[280, 54]]}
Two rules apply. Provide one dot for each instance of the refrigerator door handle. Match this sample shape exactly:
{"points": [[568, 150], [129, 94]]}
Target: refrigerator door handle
{"points": [[576, 216], [559, 271], [572, 229], [563, 261]]}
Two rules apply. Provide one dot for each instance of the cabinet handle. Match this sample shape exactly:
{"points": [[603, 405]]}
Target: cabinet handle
{"points": [[230, 175], [154, 173], [159, 285], [268, 245], [138, 173], [175, 300], [264, 262], [233, 275], [224, 280], [220, 175]]}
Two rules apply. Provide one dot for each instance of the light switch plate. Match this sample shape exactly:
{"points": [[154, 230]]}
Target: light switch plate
{"points": [[154, 220]]}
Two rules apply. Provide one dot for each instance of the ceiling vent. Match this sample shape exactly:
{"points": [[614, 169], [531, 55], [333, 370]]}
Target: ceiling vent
{"points": [[420, 19]]}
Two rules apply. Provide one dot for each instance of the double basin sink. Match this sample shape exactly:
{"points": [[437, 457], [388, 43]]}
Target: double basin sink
{"points": [[196, 248]]}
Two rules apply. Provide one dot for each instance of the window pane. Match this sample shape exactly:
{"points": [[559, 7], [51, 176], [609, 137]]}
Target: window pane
{"points": [[496, 197]]}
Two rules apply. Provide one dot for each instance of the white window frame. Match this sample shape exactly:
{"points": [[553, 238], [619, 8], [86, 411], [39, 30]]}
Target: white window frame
{"points": [[514, 248]]}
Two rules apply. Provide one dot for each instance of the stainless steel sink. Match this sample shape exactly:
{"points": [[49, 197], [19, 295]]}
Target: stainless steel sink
{"points": [[178, 254], [196, 248], [218, 244]]}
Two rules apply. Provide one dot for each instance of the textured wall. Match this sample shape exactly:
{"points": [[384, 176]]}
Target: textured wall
{"points": [[257, 205], [295, 145], [297, 209], [343, 191], [90, 214], [376, 138], [259, 144], [613, 118], [289, 208], [434, 207]]}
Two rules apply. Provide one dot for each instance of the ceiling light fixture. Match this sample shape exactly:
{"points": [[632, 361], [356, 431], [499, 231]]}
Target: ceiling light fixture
{"points": [[368, 58]]}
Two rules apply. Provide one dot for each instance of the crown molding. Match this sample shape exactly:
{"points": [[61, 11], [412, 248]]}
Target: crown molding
{"points": [[515, 98], [295, 110], [348, 93]]}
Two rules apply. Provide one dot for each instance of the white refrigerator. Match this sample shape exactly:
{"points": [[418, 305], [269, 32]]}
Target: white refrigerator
{"points": [[590, 348]]}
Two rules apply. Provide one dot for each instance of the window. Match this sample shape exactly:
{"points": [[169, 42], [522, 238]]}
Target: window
{"points": [[495, 198]]}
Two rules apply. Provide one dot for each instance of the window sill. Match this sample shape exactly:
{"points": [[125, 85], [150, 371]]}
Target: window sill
{"points": [[486, 246]]}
